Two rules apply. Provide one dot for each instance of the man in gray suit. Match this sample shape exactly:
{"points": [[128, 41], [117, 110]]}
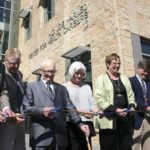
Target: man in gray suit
{"points": [[42, 102], [12, 135]]}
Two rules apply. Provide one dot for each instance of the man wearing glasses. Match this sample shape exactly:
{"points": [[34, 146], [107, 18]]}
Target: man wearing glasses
{"points": [[12, 135], [48, 104]]}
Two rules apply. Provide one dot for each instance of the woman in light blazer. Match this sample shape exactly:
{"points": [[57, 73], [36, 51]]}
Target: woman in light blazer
{"points": [[114, 95]]}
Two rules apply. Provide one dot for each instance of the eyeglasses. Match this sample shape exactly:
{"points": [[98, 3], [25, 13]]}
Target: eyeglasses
{"points": [[116, 63], [13, 63], [49, 71], [80, 73]]}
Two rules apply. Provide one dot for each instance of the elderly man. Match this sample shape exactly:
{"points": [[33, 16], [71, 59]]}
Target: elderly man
{"points": [[12, 135], [48, 103]]}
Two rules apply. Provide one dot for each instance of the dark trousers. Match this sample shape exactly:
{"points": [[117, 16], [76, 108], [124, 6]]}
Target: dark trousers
{"points": [[49, 148], [111, 139], [53, 146]]}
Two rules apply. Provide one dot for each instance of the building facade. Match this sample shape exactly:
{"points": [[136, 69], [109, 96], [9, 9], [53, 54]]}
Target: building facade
{"points": [[85, 30]]}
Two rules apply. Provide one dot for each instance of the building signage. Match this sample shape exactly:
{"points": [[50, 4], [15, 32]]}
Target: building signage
{"points": [[80, 15]]}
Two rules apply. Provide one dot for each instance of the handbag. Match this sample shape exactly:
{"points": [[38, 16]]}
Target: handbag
{"points": [[91, 127]]}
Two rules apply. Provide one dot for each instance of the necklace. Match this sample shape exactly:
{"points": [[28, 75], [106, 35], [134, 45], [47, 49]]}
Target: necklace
{"points": [[116, 84]]}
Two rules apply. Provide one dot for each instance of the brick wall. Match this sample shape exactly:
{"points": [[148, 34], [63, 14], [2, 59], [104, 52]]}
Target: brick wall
{"points": [[105, 25]]}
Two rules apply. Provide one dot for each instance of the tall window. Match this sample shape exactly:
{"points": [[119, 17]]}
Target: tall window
{"points": [[141, 49], [28, 26], [145, 46], [5, 7], [5, 11], [49, 9]]}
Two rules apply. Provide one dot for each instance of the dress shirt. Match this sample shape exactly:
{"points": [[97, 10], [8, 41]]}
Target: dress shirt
{"points": [[140, 80], [45, 83]]}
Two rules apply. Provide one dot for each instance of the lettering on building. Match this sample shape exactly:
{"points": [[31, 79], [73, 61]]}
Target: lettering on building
{"points": [[79, 16]]}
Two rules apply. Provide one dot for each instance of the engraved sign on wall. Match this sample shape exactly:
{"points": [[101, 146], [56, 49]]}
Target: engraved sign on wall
{"points": [[79, 16]]}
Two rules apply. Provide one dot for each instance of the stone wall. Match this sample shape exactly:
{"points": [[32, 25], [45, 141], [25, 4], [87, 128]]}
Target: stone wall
{"points": [[105, 25]]}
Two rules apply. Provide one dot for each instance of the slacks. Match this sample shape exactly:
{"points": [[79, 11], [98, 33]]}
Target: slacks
{"points": [[53, 146], [110, 140], [141, 137], [12, 136], [49, 148]]}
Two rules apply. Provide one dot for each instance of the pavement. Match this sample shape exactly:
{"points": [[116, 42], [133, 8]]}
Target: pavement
{"points": [[95, 142], [27, 142]]}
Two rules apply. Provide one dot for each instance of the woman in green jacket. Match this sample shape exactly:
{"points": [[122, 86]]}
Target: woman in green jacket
{"points": [[114, 96]]}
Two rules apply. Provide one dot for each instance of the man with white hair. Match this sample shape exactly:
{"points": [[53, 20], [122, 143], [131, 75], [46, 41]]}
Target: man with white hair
{"points": [[48, 103]]}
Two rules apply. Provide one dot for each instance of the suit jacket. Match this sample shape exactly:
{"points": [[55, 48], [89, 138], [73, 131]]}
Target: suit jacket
{"points": [[15, 90], [3, 88], [138, 92], [43, 129]]}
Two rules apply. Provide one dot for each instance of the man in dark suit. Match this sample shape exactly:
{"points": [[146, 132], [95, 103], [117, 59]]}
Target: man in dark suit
{"points": [[141, 90], [48, 126], [12, 135]]}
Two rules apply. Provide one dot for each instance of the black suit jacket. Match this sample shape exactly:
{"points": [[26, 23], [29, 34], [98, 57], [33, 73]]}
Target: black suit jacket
{"points": [[15, 90], [44, 130], [2, 76], [138, 92], [3, 88]]}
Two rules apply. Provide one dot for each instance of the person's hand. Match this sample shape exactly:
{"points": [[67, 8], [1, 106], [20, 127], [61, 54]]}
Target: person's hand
{"points": [[88, 116], [100, 114], [2, 119], [19, 118], [132, 111], [121, 112], [48, 111], [85, 129], [148, 108], [9, 113]]}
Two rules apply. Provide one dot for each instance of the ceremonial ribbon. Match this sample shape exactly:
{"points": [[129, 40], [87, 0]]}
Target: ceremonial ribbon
{"points": [[56, 109]]}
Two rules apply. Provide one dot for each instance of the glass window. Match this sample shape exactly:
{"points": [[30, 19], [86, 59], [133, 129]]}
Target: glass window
{"points": [[145, 46], [5, 7], [3, 42], [28, 26], [49, 8]]}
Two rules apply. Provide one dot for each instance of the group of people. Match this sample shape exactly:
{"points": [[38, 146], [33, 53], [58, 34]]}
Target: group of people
{"points": [[61, 115]]}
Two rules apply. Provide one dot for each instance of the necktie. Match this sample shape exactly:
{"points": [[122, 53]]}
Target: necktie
{"points": [[144, 92], [49, 89]]}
